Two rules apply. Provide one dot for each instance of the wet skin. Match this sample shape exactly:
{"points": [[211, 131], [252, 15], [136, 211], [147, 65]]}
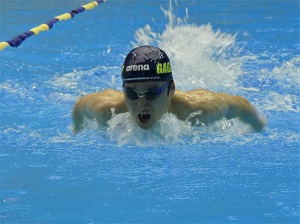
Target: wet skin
{"points": [[147, 112], [206, 106]]}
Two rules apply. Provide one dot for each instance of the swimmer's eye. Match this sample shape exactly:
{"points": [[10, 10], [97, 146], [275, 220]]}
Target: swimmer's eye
{"points": [[152, 94], [131, 94]]}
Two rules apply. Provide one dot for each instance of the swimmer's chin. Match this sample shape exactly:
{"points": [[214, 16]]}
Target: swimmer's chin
{"points": [[145, 126]]}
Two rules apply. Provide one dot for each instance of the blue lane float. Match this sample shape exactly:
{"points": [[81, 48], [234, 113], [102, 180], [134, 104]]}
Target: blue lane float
{"points": [[18, 40]]}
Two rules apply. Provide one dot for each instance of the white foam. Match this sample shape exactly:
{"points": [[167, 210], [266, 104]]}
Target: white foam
{"points": [[284, 94], [124, 130], [81, 81], [289, 72], [200, 56], [278, 102]]}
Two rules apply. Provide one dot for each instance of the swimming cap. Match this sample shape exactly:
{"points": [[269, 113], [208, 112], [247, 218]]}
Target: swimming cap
{"points": [[146, 63]]}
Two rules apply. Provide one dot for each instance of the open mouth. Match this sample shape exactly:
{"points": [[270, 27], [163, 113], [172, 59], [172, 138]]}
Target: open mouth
{"points": [[144, 118]]}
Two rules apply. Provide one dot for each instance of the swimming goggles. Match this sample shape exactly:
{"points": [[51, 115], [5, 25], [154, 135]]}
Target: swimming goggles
{"points": [[151, 94]]}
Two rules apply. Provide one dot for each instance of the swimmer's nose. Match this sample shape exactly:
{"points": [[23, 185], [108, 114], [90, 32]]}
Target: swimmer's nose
{"points": [[141, 103]]}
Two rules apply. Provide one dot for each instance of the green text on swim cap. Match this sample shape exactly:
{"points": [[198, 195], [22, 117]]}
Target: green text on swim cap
{"points": [[163, 68]]}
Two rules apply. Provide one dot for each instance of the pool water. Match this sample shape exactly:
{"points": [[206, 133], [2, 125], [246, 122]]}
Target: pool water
{"points": [[174, 173]]}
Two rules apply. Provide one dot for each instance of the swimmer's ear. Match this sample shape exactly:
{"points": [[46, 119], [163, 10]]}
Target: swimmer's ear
{"points": [[172, 88]]}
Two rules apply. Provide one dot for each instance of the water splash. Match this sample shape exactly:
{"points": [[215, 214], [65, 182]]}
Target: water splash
{"points": [[277, 102], [200, 56], [170, 131], [96, 79], [124, 130], [211, 59], [282, 85]]}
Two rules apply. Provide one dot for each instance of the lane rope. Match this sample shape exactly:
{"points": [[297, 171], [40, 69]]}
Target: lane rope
{"points": [[18, 40]]}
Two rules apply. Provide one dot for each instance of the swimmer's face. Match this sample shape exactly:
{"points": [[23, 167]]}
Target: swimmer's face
{"points": [[147, 101]]}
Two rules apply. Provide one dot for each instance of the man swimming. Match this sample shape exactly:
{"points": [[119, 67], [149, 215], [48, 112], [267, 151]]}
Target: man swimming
{"points": [[149, 93]]}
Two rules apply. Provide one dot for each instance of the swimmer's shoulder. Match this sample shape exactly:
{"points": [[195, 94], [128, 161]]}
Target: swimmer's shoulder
{"points": [[191, 96], [104, 100], [111, 94], [99, 105], [107, 94], [186, 102]]}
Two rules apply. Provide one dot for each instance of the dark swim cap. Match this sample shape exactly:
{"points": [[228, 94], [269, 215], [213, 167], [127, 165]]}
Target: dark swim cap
{"points": [[146, 63]]}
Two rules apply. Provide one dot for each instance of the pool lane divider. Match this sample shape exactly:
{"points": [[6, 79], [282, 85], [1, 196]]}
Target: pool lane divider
{"points": [[18, 40]]}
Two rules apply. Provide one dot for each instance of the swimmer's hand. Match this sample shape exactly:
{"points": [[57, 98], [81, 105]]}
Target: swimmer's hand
{"points": [[241, 108]]}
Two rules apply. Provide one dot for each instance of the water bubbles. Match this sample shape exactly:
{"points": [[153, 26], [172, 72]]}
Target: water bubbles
{"points": [[278, 102], [169, 130], [123, 130]]}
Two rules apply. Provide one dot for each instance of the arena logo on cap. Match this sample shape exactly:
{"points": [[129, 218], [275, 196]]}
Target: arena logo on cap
{"points": [[163, 68], [144, 67]]}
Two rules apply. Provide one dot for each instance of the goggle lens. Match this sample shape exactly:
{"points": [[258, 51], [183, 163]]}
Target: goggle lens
{"points": [[152, 94]]}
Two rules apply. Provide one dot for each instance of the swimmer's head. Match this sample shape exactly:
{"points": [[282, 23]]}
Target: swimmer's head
{"points": [[146, 63]]}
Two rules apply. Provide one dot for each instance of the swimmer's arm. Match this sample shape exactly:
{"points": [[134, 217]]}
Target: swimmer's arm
{"points": [[240, 108], [98, 106], [207, 107]]}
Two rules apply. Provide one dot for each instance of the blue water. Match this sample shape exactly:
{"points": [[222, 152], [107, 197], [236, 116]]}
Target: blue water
{"points": [[174, 173]]}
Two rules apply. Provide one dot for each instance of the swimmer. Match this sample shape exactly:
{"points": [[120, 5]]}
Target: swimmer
{"points": [[149, 92]]}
